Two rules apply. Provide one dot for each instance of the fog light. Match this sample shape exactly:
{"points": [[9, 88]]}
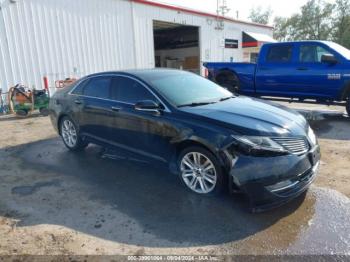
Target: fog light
{"points": [[281, 185]]}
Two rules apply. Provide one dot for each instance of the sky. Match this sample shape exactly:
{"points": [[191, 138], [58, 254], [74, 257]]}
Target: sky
{"points": [[279, 7]]}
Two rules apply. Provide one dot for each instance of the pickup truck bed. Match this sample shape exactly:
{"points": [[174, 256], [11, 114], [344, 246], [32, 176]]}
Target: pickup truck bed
{"points": [[241, 78]]}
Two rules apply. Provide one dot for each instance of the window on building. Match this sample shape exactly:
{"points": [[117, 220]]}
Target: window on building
{"points": [[254, 57], [279, 54]]}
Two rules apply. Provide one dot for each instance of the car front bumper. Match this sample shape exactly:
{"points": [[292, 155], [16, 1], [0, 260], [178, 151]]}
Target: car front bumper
{"points": [[272, 181]]}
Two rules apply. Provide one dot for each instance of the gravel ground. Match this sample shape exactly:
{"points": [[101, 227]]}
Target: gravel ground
{"points": [[54, 202]]}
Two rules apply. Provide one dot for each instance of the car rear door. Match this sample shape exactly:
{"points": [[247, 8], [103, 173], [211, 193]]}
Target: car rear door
{"points": [[75, 103], [275, 71], [95, 107]]}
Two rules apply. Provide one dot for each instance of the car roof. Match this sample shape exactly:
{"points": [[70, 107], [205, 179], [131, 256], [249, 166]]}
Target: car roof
{"points": [[140, 73]]}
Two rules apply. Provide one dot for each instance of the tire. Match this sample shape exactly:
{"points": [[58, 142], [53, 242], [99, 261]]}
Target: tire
{"points": [[230, 81], [70, 135], [22, 113], [348, 105], [191, 171]]}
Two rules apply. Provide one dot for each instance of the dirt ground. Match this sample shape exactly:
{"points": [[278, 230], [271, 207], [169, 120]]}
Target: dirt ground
{"points": [[56, 202]]}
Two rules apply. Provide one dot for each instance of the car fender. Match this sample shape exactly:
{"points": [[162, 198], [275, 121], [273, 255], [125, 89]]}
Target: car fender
{"points": [[213, 142]]}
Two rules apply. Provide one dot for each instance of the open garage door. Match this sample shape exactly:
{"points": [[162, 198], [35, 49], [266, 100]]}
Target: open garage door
{"points": [[176, 46]]}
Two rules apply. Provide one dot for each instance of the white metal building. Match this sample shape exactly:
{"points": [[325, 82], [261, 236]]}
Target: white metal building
{"points": [[64, 38]]}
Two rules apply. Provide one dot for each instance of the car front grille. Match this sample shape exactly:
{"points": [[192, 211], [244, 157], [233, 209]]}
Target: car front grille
{"points": [[297, 146]]}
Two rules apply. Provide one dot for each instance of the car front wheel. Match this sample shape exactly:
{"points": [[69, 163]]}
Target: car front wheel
{"points": [[70, 135], [200, 171]]}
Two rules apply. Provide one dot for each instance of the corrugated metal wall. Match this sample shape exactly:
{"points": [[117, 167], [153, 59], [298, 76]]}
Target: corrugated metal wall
{"points": [[62, 39], [65, 38]]}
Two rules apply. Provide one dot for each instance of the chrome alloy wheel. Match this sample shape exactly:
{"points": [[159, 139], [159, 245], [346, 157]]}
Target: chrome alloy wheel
{"points": [[198, 172], [69, 133]]}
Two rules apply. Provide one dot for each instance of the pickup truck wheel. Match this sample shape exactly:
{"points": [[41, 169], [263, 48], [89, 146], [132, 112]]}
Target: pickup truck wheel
{"points": [[229, 81]]}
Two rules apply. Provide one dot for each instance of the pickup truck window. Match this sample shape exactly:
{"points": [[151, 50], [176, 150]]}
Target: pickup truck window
{"points": [[279, 54], [311, 53], [340, 49]]}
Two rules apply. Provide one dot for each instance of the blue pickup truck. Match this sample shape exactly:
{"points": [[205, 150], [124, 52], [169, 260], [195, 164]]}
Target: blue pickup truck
{"points": [[318, 70]]}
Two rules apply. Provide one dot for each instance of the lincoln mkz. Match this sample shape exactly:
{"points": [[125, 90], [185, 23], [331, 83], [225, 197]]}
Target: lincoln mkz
{"points": [[212, 139]]}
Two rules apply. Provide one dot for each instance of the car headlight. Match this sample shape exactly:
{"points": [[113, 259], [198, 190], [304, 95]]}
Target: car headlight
{"points": [[312, 136], [259, 144]]}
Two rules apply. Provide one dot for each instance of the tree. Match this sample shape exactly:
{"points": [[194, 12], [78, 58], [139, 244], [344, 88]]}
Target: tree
{"points": [[313, 23], [286, 29], [317, 20], [341, 23], [260, 16]]}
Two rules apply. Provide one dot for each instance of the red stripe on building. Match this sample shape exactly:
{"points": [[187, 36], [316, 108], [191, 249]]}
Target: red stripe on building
{"points": [[182, 9], [250, 44]]}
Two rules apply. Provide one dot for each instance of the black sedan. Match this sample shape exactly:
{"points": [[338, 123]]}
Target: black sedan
{"points": [[211, 138]]}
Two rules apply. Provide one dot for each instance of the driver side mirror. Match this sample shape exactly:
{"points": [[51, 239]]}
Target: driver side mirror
{"points": [[329, 59], [148, 106]]}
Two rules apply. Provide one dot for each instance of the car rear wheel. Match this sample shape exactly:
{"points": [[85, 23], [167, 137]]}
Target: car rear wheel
{"points": [[70, 135], [200, 171]]}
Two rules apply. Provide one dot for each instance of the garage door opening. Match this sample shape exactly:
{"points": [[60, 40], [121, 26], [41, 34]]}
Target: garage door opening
{"points": [[176, 46]]}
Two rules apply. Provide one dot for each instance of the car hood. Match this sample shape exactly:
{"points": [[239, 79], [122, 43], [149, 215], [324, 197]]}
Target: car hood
{"points": [[251, 116]]}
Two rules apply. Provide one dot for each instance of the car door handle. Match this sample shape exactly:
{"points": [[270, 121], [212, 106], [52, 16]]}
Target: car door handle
{"points": [[302, 69], [93, 107], [116, 109], [78, 101]]}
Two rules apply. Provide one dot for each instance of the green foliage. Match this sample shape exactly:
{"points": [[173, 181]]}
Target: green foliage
{"points": [[260, 16], [286, 29], [317, 20], [341, 23]]}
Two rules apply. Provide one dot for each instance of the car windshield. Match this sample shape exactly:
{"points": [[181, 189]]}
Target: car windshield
{"points": [[188, 89], [340, 49]]}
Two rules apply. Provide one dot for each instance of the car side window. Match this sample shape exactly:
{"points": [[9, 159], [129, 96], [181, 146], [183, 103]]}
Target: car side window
{"points": [[98, 87], [279, 54], [79, 87], [311, 53], [127, 90]]}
